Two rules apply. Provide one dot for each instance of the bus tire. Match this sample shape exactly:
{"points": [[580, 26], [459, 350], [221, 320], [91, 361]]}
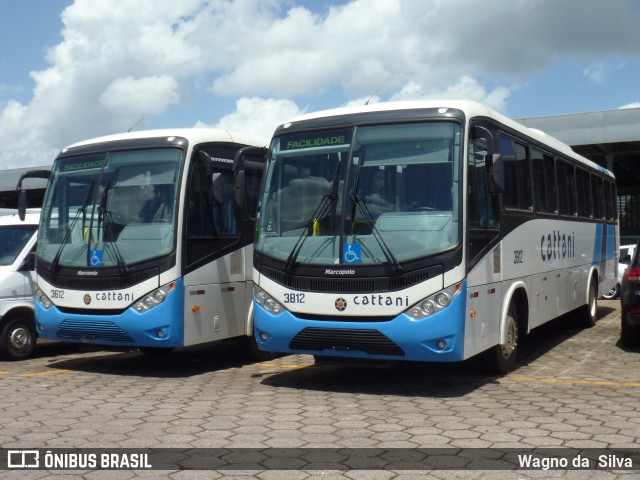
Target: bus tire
{"points": [[156, 351], [587, 314], [502, 357], [250, 348], [17, 338]]}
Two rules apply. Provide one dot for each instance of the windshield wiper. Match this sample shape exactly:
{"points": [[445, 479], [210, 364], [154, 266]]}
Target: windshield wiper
{"points": [[105, 220], [360, 204], [321, 210], [82, 209], [326, 202]]}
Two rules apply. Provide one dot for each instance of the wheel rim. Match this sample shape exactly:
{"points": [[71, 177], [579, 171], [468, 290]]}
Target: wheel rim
{"points": [[19, 338], [511, 340]]}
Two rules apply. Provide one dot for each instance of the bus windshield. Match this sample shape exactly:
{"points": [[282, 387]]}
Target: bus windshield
{"points": [[110, 209], [364, 195]]}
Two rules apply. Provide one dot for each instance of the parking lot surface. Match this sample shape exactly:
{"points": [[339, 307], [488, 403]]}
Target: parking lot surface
{"points": [[573, 389]]}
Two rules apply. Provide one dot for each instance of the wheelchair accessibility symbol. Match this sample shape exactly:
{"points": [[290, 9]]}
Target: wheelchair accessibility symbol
{"points": [[352, 253], [95, 258]]}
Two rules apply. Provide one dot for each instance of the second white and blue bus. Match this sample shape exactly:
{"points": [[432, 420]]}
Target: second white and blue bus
{"points": [[426, 231], [144, 241]]}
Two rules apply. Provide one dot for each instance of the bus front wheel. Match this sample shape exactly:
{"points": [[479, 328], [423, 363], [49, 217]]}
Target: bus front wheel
{"points": [[250, 348], [502, 357]]}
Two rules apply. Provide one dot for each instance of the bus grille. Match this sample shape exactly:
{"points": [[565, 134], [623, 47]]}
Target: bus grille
{"points": [[350, 285], [96, 330], [369, 341], [97, 283]]}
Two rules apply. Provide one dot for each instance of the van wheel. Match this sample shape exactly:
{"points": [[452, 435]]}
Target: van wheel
{"points": [[17, 338], [613, 293], [502, 357]]}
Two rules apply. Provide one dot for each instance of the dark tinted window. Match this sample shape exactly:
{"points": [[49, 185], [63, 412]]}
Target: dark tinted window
{"points": [[597, 191], [544, 182], [566, 188], [583, 190], [517, 192]]}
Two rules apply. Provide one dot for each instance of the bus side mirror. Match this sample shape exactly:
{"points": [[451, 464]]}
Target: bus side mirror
{"points": [[205, 160], [246, 158], [239, 189], [496, 174], [22, 204]]}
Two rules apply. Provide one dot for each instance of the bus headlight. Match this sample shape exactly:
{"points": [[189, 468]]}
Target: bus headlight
{"points": [[154, 298], [265, 301], [434, 303], [42, 299]]}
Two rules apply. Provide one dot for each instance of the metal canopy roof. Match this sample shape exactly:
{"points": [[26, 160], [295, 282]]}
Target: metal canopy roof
{"points": [[9, 181], [610, 138]]}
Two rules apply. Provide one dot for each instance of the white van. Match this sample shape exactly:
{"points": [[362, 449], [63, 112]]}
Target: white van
{"points": [[17, 281]]}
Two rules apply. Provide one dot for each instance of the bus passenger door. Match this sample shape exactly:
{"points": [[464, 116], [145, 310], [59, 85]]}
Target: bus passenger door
{"points": [[484, 252], [214, 250]]}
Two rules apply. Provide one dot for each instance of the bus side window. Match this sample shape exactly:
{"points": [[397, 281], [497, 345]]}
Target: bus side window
{"points": [[583, 189], [598, 197], [544, 180], [567, 188], [517, 192]]}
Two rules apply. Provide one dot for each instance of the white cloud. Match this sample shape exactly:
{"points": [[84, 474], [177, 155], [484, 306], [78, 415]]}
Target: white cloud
{"points": [[257, 116], [466, 88], [150, 95], [376, 44], [119, 61], [599, 73], [631, 105]]}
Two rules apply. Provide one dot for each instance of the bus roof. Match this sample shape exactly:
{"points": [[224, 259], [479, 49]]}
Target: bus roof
{"points": [[470, 108], [193, 135]]}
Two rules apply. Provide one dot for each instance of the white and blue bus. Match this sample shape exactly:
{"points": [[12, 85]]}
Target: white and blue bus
{"points": [[425, 231], [144, 242]]}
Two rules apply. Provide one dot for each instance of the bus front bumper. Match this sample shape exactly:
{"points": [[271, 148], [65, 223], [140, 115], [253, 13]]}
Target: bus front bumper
{"points": [[436, 338], [161, 326]]}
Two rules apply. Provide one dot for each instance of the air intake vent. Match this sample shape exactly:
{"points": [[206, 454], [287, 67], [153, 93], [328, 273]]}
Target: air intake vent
{"points": [[95, 330], [369, 341], [236, 263]]}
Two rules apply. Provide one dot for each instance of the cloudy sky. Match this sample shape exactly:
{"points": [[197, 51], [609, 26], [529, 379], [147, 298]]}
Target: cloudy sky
{"points": [[71, 70]]}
